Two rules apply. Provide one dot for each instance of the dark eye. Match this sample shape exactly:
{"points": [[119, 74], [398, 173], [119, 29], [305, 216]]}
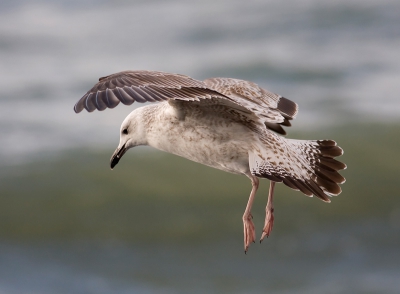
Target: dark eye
{"points": [[125, 131]]}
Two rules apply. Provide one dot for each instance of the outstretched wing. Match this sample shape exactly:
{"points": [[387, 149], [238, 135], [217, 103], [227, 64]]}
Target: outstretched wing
{"points": [[143, 86], [153, 86], [275, 109]]}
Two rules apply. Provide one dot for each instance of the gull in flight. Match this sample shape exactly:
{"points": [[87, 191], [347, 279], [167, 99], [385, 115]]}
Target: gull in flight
{"points": [[229, 124]]}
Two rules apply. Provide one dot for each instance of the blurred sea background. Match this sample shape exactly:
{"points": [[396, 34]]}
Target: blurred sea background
{"points": [[162, 224]]}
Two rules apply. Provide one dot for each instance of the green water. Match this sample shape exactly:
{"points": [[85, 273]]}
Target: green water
{"points": [[159, 222]]}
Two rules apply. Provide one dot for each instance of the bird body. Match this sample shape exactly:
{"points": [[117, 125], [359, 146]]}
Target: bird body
{"points": [[200, 136], [228, 124]]}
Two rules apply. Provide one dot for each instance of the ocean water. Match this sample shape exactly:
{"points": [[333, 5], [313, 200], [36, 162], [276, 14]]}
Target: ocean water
{"points": [[325, 262], [158, 225]]}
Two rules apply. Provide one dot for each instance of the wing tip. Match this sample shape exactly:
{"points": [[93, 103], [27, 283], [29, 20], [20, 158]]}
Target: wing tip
{"points": [[78, 107], [288, 107], [276, 128]]}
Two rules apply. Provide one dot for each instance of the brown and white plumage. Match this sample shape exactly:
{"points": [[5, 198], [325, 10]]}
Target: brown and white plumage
{"points": [[228, 124]]}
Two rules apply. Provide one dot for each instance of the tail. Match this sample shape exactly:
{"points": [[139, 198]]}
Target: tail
{"points": [[303, 165]]}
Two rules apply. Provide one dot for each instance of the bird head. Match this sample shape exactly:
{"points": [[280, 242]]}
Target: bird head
{"points": [[131, 135]]}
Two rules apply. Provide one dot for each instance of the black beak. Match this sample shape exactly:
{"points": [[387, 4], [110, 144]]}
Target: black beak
{"points": [[117, 156]]}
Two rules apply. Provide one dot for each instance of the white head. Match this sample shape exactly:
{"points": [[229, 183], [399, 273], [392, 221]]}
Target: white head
{"points": [[132, 133]]}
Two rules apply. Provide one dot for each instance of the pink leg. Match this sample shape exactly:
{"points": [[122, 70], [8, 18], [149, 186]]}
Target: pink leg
{"points": [[249, 229], [269, 213]]}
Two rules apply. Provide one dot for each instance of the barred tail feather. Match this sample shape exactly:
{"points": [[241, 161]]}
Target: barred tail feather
{"points": [[303, 165]]}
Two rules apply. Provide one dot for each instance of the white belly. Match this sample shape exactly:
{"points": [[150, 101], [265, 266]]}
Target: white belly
{"points": [[218, 143]]}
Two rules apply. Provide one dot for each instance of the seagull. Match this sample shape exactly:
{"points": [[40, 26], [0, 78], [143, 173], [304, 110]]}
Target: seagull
{"points": [[228, 124]]}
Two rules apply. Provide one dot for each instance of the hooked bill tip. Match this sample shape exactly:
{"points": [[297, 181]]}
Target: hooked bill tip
{"points": [[114, 161]]}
